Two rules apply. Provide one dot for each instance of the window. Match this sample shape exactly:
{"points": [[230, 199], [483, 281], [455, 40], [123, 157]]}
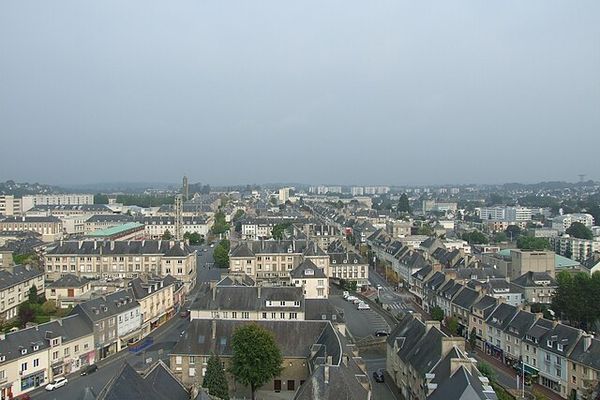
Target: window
{"points": [[178, 360], [192, 372], [55, 355], [24, 367], [264, 315], [76, 348], [245, 315], [192, 360], [36, 362]]}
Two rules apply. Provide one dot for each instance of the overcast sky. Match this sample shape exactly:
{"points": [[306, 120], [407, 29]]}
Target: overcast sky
{"points": [[350, 92]]}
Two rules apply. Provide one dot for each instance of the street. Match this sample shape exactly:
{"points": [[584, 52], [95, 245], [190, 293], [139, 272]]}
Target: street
{"points": [[164, 337]]}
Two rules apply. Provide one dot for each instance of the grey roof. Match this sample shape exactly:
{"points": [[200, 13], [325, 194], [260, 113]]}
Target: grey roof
{"points": [[322, 309], [107, 306], [466, 298], [406, 334], [423, 272], [535, 279], [487, 304], [248, 298], [158, 384], [72, 207], [463, 384], [144, 288], [347, 258], [589, 357], [561, 335], [32, 219], [110, 218], [538, 330], [68, 328], [294, 338], [307, 269], [250, 248], [502, 316], [117, 247], [68, 281], [520, 324], [18, 274], [346, 381]]}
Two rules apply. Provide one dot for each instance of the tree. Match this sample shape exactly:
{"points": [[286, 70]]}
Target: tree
{"points": [[49, 307], [215, 380], [167, 235], [279, 230], [475, 237], [220, 226], [425, 229], [403, 204], [500, 237], [100, 198], [194, 237], [452, 325], [437, 313], [486, 370], [256, 357], [532, 243], [221, 254], [473, 339], [32, 296], [26, 313], [580, 231], [513, 231], [575, 299]]}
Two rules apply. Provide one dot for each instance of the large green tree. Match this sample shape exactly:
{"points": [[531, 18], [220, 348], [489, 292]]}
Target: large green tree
{"points": [[576, 299], [32, 296], [475, 237], [580, 231], [167, 235], [220, 226], [256, 356], [403, 204], [279, 230], [532, 243], [437, 313], [221, 254], [194, 237], [215, 380]]}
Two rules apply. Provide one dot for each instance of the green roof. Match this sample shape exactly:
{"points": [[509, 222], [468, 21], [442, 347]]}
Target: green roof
{"points": [[115, 230]]}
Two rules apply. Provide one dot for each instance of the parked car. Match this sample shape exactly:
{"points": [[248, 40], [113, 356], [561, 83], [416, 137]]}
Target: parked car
{"points": [[57, 383], [89, 369], [357, 301], [346, 294], [378, 375], [184, 314], [351, 298], [363, 306], [379, 287], [381, 333]]}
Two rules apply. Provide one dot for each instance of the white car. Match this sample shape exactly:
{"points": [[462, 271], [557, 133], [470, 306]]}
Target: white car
{"points": [[55, 384], [363, 306], [351, 298], [346, 294], [357, 301]]}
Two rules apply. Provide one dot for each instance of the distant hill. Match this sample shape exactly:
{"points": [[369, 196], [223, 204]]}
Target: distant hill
{"points": [[19, 189]]}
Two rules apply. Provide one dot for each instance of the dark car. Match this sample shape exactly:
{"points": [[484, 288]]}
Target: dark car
{"points": [[89, 369], [381, 333], [378, 376], [184, 314]]}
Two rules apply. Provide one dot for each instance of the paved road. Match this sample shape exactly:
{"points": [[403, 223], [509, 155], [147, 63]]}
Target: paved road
{"points": [[360, 323], [165, 338]]}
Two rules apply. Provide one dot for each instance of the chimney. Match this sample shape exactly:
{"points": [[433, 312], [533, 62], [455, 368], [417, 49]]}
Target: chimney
{"points": [[95, 244], [437, 267], [214, 329], [456, 363], [214, 290], [171, 244], [326, 374], [587, 342], [432, 324], [79, 244], [258, 296], [449, 342], [112, 245]]}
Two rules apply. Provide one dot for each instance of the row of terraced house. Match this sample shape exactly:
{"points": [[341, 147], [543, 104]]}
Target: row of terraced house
{"points": [[557, 356]]}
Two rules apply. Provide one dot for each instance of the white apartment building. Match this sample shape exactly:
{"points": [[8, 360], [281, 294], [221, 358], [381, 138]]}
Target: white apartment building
{"points": [[28, 202], [9, 205], [563, 222], [15, 283], [574, 248], [357, 191], [505, 213], [155, 227]]}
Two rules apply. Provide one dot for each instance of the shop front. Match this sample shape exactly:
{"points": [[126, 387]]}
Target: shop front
{"points": [[550, 384], [6, 391], [494, 351], [32, 381]]}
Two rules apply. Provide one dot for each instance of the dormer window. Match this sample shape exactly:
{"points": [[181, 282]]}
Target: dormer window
{"points": [[334, 262], [2, 358], [23, 351], [355, 261], [309, 271], [549, 343], [559, 347], [36, 347]]}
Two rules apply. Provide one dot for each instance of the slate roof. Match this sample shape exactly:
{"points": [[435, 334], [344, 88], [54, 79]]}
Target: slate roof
{"points": [[247, 298], [463, 384], [344, 382], [502, 316], [142, 289], [117, 218], [294, 338], [520, 324], [302, 271], [19, 274], [465, 298], [107, 306], [561, 335], [423, 272], [158, 384], [68, 328], [538, 330], [534, 279], [117, 247], [316, 309], [250, 248], [487, 304], [589, 357], [31, 219], [347, 258], [68, 281]]}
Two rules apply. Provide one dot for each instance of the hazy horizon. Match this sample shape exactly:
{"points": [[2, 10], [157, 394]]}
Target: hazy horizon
{"points": [[345, 92]]}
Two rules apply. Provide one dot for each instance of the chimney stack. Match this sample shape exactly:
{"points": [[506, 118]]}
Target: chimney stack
{"points": [[214, 329], [431, 324], [326, 374], [258, 292], [456, 363], [449, 342], [214, 292], [587, 342]]}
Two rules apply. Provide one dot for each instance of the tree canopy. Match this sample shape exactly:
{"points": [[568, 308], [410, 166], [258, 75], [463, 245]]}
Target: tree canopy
{"points": [[532, 243], [403, 204], [256, 356], [215, 380], [580, 231], [194, 237], [220, 226], [475, 237], [167, 235], [437, 313], [279, 230], [576, 299], [221, 254]]}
